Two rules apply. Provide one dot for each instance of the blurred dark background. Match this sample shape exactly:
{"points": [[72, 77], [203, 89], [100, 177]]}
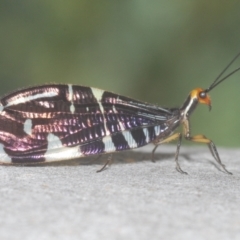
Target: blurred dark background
{"points": [[155, 51]]}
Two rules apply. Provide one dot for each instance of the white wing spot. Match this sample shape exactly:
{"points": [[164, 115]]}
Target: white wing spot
{"points": [[109, 145], [4, 158], [70, 98], [130, 140], [157, 130], [146, 133], [27, 127], [56, 151], [70, 91], [1, 107], [72, 108], [97, 93]]}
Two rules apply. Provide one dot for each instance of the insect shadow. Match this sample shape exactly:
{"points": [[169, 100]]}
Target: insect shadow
{"points": [[126, 157], [117, 158]]}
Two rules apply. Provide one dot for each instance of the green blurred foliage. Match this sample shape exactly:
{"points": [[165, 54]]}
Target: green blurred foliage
{"points": [[156, 51]]}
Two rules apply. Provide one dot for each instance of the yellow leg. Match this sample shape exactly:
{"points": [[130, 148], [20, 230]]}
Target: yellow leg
{"points": [[211, 146], [176, 136]]}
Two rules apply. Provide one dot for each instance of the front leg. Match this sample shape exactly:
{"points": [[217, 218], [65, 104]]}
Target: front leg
{"points": [[176, 136], [212, 148]]}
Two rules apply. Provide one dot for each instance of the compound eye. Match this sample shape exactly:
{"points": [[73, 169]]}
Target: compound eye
{"points": [[202, 94]]}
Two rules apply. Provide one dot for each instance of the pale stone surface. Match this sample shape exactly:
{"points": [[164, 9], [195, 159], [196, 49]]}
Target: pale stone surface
{"points": [[134, 199]]}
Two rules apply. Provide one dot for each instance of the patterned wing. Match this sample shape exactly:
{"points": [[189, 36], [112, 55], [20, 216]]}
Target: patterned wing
{"points": [[59, 122]]}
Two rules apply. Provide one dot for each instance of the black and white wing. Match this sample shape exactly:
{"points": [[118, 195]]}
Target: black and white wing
{"points": [[59, 122]]}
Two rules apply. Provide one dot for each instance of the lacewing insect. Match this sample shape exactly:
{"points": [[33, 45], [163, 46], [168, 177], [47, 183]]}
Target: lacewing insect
{"points": [[59, 122]]}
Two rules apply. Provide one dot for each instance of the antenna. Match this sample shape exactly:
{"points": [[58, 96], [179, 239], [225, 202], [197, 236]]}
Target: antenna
{"points": [[218, 80]]}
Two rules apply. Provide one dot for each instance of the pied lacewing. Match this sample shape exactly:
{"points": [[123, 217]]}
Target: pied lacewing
{"points": [[59, 122]]}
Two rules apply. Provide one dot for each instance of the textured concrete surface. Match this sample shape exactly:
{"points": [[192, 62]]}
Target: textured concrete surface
{"points": [[134, 199]]}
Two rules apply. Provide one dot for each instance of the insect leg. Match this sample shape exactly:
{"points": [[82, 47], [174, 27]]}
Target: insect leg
{"points": [[153, 152], [212, 148], [108, 162], [169, 139], [177, 153]]}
